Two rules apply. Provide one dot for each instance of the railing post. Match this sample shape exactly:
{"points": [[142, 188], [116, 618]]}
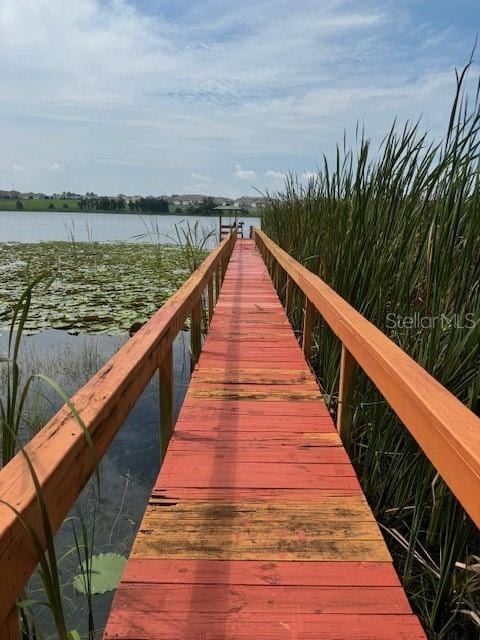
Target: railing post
{"points": [[307, 328], [222, 269], [345, 397], [11, 627], [165, 372], [196, 332], [276, 277], [217, 281], [210, 299], [288, 295]]}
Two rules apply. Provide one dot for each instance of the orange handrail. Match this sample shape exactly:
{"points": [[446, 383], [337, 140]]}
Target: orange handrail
{"points": [[60, 454], [446, 430]]}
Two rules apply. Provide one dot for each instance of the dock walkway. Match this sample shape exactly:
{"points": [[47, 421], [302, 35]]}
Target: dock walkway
{"points": [[257, 527]]}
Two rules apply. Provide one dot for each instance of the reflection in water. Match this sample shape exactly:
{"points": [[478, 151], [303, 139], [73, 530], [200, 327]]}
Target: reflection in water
{"points": [[128, 469]]}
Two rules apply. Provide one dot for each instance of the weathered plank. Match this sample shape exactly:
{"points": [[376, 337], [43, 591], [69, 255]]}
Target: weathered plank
{"points": [[261, 599], [156, 625], [326, 574], [274, 550]]}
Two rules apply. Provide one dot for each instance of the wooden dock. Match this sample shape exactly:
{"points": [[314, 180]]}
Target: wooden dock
{"points": [[257, 526]]}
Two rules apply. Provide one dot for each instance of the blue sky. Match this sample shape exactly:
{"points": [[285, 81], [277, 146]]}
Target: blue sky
{"points": [[217, 96]]}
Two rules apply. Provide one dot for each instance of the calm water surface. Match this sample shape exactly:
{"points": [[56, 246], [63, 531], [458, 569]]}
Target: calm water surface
{"points": [[39, 226]]}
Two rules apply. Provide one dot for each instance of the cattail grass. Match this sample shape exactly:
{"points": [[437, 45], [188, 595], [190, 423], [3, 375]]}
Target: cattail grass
{"points": [[13, 401], [396, 232]]}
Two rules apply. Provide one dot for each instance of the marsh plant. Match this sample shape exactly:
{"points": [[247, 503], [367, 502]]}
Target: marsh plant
{"points": [[15, 424], [98, 288], [15, 395], [195, 241], [192, 240], [396, 232]]}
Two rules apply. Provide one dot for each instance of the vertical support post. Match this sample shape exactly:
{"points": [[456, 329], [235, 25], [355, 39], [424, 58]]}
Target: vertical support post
{"points": [[226, 258], [217, 281], [274, 275], [210, 299], [165, 372], [11, 626], [195, 332], [288, 295], [348, 366], [307, 328]]}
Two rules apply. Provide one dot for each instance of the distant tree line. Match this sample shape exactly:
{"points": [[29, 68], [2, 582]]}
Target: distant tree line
{"points": [[203, 208], [101, 203], [104, 203], [149, 205]]}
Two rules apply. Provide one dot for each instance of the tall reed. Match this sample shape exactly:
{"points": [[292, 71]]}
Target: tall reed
{"points": [[14, 422], [194, 241], [397, 233], [12, 401]]}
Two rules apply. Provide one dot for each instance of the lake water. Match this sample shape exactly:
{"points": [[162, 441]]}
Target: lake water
{"points": [[39, 226]]}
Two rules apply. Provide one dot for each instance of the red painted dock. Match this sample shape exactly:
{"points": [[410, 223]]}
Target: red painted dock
{"points": [[257, 526]]}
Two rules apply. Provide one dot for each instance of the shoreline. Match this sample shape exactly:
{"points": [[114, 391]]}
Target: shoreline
{"points": [[124, 212]]}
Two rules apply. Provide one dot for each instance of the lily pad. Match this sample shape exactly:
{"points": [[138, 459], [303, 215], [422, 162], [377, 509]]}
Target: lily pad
{"points": [[106, 571], [97, 288]]}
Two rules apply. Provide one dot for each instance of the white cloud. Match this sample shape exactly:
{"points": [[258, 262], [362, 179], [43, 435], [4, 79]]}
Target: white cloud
{"points": [[19, 168], [278, 175], [198, 176], [244, 174]]}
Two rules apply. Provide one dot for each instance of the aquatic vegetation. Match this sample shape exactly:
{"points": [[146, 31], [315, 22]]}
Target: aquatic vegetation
{"points": [[193, 240], [14, 402], [397, 233], [104, 571], [15, 393], [96, 288]]}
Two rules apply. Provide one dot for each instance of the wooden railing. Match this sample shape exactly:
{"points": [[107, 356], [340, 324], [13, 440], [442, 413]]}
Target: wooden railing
{"points": [[446, 430], [60, 454]]}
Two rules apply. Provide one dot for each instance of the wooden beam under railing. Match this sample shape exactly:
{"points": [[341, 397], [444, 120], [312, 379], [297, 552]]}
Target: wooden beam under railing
{"points": [[62, 459], [445, 429]]}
